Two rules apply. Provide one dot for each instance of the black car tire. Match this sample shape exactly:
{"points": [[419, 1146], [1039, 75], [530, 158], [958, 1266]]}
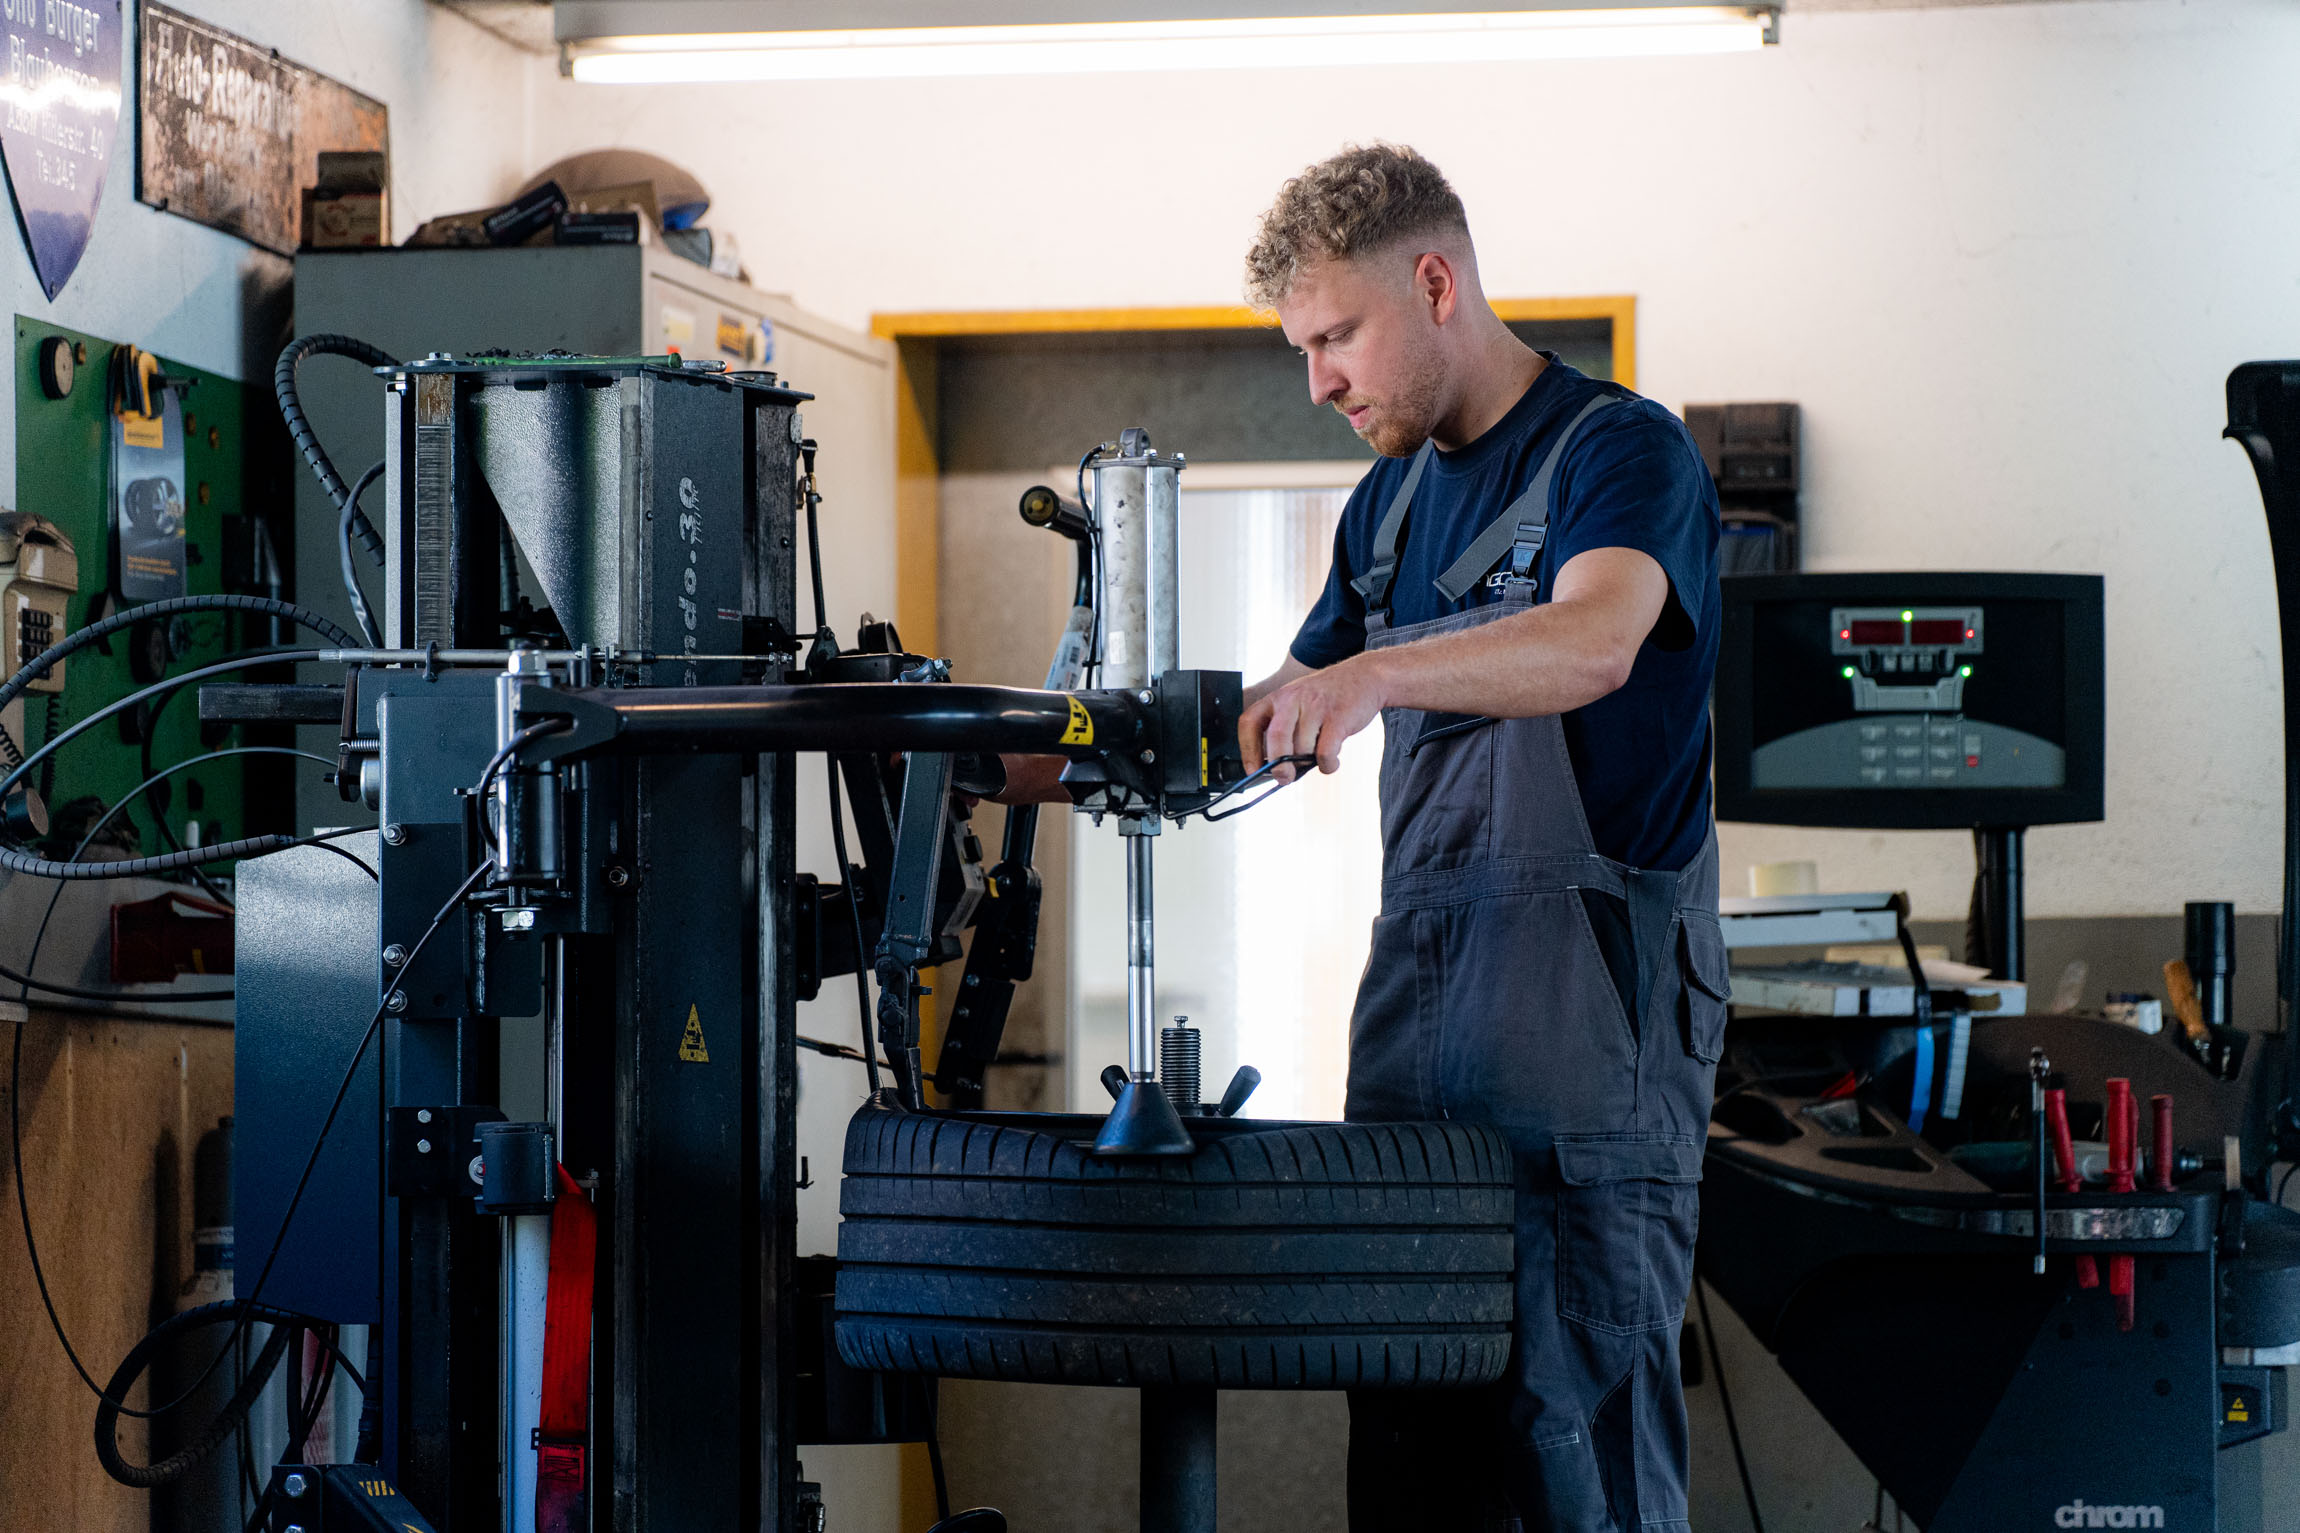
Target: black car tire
{"points": [[1278, 1256]]}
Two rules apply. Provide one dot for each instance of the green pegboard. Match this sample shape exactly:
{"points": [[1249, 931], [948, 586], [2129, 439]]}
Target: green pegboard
{"points": [[62, 472]]}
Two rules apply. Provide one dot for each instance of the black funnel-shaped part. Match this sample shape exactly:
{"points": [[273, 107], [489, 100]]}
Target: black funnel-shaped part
{"points": [[1144, 1123]]}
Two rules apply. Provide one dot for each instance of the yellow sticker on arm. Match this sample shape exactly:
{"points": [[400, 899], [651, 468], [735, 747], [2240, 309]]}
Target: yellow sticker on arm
{"points": [[1081, 729]]}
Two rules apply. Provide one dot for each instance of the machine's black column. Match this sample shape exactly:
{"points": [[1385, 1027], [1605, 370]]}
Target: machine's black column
{"points": [[770, 831], [688, 1295], [441, 1259]]}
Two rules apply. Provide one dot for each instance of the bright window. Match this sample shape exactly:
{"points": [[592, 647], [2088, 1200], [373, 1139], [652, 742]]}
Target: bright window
{"points": [[1263, 921]]}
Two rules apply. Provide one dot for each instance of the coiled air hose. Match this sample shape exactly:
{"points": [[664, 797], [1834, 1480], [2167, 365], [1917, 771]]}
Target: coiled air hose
{"points": [[25, 862], [262, 606], [176, 1465], [307, 440]]}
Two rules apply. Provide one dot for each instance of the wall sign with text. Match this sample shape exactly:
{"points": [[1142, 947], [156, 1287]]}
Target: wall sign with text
{"points": [[59, 114], [229, 133]]}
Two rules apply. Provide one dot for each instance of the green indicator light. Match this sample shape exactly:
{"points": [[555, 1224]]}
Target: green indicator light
{"points": [[1849, 673], [1908, 617], [1965, 671]]}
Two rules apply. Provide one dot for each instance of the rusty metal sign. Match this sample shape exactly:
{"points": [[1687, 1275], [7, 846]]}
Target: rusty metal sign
{"points": [[229, 133]]}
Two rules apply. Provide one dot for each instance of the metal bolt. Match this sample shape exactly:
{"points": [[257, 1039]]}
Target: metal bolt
{"points": [[1145, 696], [295, 1527], [617, 878], [1149, 755], [423, 1115], [394, 955], [293, 1485], [396, 1002], [394, 834], [518, 920], [478, 1171], [423, 1147]]}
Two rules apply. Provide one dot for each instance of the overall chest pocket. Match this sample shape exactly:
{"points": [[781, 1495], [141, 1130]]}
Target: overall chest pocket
{"points": [[1437, 789], [1627, 1211]]}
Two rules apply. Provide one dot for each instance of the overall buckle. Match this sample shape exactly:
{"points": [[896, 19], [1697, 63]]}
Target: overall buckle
{"points": [[1518, 572]]}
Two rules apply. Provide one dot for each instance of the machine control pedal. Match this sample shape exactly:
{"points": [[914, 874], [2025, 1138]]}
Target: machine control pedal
{"points": [[2251, 1404]]}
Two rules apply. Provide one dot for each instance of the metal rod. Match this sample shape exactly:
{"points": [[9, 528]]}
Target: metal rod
{"points": [[1141, 962], [1165, 570], [2039, 1071], [853, 716], [493, 657], [1178, 1458], [1998, 848]]}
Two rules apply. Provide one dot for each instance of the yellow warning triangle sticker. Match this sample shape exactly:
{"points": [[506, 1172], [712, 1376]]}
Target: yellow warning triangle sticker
{"points": [[691, 1046], [1080, 729]]}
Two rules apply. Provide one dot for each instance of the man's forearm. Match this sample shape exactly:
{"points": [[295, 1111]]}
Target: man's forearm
{"points": [[1537, 662], [1551, 659]]}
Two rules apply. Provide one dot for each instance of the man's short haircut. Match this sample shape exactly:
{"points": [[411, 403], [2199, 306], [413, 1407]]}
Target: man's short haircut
{"points": [[1363, 199]]}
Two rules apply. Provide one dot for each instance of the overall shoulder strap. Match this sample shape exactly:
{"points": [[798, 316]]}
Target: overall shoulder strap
{"points": [[1374, 584], [1523, 527]]}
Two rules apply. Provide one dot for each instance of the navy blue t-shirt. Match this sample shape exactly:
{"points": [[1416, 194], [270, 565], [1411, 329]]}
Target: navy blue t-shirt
{"points": [[1631, 478]]}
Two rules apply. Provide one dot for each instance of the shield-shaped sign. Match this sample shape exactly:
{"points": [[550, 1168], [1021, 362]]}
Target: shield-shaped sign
{"points": [[59, 115]]}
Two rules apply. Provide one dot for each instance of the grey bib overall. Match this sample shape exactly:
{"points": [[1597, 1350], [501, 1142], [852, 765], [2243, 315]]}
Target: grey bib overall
{"points": [[1520, 979]]}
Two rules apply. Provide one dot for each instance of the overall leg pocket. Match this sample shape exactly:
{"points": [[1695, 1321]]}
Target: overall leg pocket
{"points": [[1627, 1212], [1708, 986]]}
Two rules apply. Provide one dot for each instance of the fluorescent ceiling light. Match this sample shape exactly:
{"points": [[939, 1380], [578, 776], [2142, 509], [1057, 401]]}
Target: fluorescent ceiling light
{"points": [[1286, 42]]}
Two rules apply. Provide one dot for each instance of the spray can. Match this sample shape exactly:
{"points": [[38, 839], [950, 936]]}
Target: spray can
{"points": [[207, 1499]]}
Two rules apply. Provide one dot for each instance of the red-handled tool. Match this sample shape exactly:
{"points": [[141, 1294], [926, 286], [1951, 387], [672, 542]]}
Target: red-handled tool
{"points": [[2161, 1155], [2065, 1178], [2118, 1122], [2122, 1113], [2120, 1289], [2063, 1143]]}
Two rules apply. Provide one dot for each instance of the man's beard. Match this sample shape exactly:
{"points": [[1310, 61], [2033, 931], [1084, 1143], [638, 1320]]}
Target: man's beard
{"points": [[1401, 424]]}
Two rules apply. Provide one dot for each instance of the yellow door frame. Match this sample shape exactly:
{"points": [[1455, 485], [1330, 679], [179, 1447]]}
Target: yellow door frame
{"points": [[918, 499], [918, 471]]}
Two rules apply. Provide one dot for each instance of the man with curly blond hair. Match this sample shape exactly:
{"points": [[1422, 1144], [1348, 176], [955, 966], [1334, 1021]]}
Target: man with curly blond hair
{"points": [[1524, 590]]}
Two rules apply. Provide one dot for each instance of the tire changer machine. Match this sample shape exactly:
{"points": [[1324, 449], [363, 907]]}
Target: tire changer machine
{"points": [[586, 813]]}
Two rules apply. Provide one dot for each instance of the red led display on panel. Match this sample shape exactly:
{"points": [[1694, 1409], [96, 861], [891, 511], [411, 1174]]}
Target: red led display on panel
{"points": [[1874, 631], [1939, 630]]}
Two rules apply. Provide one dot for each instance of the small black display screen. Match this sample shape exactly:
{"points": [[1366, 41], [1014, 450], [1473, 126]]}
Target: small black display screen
{"points": [[1931, 700], [1917, 700]]}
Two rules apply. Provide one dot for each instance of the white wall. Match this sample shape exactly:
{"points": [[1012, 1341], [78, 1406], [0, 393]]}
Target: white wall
{"points": [[2004, 256], [458, 106]]}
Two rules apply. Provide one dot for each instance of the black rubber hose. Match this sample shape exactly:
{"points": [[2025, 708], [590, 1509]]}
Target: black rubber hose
{"points": [[347, 529], [307, 440], [180, 1463], [245, 660], [263, 606]]}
